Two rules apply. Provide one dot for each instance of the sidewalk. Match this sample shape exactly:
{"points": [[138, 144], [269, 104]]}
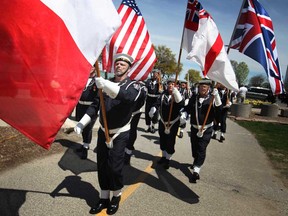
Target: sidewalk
{"points": [[237, 179]]}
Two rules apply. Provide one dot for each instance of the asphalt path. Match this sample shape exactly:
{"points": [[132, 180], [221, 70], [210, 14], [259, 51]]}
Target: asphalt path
{"points": [[236, 179]]}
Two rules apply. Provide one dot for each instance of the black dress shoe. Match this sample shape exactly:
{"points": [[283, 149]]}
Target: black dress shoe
{"points": [[127, 159], [222, 138], [195, 177], [181, 134], [153, 130], [102, 204], [114, 205], [148, 129], [166, 164], [214, 136], [84, 153], [162, 160]]}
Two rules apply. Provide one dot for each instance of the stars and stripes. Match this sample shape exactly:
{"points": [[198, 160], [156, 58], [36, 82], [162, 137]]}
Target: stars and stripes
{"points": [[133, 39], [254, 37]]}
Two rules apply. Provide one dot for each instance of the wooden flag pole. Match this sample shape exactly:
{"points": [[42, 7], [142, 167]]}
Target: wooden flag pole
{"points": [[176, 77], [103, 111]]}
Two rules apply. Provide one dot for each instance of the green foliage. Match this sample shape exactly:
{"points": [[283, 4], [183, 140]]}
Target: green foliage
{"points": [[166, 61], [241, 71], [194, 76], [257, 80]]}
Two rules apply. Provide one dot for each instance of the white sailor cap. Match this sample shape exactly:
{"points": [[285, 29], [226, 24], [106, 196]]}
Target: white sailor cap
{"points": [[123, 57]]}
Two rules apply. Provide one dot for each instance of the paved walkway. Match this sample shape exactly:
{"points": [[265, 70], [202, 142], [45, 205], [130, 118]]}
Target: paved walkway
{"points": [[237, 179]]}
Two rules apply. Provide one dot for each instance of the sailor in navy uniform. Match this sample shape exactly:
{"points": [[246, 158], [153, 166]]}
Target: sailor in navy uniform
{"points": [[168, 128], [197, 108], [89, 93], [139, 103], [119, 95], [186, 94], [154, 89], [220, 121]]}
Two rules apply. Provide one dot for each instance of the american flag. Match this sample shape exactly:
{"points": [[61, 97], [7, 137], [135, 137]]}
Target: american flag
{"points": [[132, 38], [254, 36]]}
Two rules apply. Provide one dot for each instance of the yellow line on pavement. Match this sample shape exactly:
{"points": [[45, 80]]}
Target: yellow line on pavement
{"points": [[129, 190]]}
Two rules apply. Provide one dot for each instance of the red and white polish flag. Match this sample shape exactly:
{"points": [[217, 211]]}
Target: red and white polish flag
{"points": [[47, 50]]}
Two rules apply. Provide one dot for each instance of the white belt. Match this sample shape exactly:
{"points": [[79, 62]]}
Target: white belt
{"points": [[200, 126], [116, 132], [152, 95], [171, 122], [85, 102]]}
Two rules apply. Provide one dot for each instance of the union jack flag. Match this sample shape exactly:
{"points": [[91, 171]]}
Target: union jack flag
{"points": [[194, 12], [254, 37], [131, 38]]}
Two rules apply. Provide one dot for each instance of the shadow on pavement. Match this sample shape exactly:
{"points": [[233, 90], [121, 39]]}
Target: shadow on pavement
{"points": [[76, 188], [71, 159], [165, 182]]}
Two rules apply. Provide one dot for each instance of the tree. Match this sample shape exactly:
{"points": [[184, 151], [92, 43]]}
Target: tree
{"points": [[166, 61], [257, 80], [194, 76], [241, 71]]}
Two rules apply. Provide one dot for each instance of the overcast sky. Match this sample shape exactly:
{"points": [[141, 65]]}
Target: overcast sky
{"points": [[165, 19]]}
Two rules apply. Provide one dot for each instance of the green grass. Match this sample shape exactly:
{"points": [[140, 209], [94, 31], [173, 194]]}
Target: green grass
{"points": [[274, 140]]}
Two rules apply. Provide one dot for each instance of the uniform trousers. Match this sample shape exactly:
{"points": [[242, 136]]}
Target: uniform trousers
{"points": [[133, 131], [110, 162], [222, 121], [167, 141], [87, 131], [155, 117], [199, 145]]}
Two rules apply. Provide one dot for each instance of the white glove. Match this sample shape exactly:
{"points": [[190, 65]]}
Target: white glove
{"points": [[186, 102], [183, 118], [85, 120], [215, 91], [112, 89], [176, 94], [152, 111], [100, 82], [217, 98], [228, 104]]}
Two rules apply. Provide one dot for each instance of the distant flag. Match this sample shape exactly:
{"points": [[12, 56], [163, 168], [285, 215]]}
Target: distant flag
{"points": [[254, 36], [203, 42], [133, 39], [47, 50]]}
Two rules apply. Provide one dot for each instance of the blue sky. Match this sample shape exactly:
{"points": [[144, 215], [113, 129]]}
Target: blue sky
{"points": [[165, 19]]}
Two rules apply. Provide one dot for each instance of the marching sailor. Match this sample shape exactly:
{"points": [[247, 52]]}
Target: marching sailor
{"points": [[87, 97], [198, 107], [154, 89], [119, 96], [168, 128]]}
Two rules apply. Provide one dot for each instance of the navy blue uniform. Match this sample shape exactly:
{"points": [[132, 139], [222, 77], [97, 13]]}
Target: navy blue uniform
{"points": [[167, 141], [88, 95], [152, 97], [110, 161], [198, 112]]}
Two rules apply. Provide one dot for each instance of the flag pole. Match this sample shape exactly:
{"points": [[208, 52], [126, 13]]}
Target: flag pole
{"points": [[176, 77], [103, 111], [235, 27]]}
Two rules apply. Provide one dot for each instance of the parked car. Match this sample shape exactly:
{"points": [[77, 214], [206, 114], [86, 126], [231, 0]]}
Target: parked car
{"points": [[259, 93]]}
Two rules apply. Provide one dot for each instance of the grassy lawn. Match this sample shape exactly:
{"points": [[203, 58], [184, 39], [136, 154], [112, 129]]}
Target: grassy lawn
{"points": [[274, 140]]}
